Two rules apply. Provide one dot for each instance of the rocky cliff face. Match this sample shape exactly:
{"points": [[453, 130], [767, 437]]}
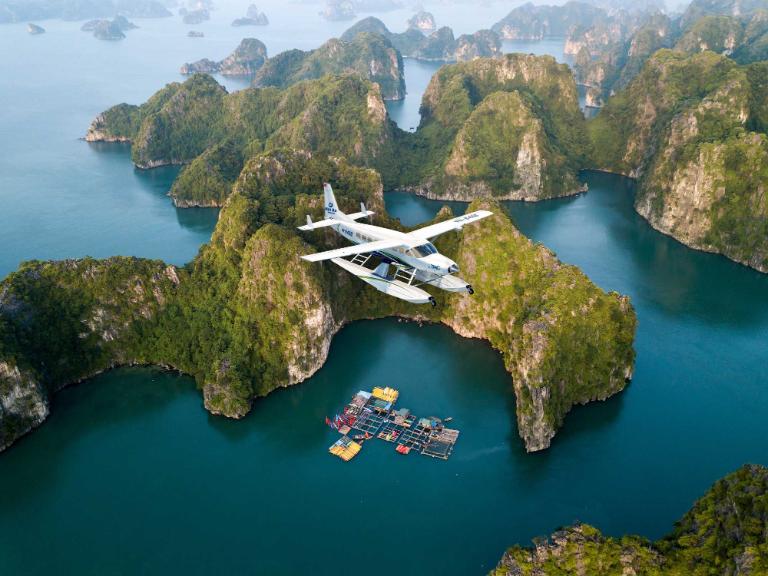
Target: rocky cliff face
{"points": [[742, 36], [530, 22], [423, 22], [685, 133], [504, 141], [338, 10], [509, 128], [248, 316], [723, 534], [542, 316], [611, 53], [438, 46], [197, 123], [61, 322], [23, 403], [581, 550]]}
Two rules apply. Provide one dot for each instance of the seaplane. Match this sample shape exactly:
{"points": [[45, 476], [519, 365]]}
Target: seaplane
{"points": [[415, 260]]}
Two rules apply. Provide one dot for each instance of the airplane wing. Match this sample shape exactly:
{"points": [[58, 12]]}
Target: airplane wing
{"points": [[350, 250], [457, 223]]}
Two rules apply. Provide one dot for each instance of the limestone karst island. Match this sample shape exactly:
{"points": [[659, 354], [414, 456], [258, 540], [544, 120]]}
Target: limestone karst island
{"points": [[384, 286]]}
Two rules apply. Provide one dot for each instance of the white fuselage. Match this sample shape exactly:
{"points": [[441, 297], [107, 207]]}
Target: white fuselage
{"points": [[423, 256]]}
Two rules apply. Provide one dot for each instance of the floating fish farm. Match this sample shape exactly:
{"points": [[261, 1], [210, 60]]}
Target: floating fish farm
{"points": [[371, 415]]}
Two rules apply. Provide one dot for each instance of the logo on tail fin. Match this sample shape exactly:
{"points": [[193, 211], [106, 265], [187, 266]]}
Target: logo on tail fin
{"points": [[330, 202]]}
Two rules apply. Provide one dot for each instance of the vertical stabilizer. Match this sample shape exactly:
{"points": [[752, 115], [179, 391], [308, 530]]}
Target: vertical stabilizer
{"points": [[331, 208]]}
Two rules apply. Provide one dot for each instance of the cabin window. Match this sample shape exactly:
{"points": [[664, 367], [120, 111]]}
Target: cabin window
{"points": [[425, 250]]}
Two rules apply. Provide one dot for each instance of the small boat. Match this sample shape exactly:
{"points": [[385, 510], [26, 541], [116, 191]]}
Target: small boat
{"points": [[365, 436], [402, 449], [448, 419]]}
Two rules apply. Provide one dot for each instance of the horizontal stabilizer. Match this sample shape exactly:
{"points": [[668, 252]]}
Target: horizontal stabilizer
{"points": [[351, 250], [320, 224], [331, 221], [358, 215]]}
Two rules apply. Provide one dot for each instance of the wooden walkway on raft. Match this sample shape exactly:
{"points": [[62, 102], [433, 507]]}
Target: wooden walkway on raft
{"points": [[374, 417]]}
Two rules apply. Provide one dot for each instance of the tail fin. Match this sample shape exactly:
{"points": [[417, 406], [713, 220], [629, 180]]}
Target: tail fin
{"points": [[331, 208]]}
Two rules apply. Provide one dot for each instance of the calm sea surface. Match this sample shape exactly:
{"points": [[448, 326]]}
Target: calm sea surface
{"points": [[130, 474]]}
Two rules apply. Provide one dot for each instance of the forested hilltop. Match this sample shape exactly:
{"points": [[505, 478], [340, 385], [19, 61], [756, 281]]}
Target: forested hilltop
{"points": [[692, 129], [683, 111], [460, 151], [197, 123], [722, 534], [439, 45], [248, 316], [372, 56]]}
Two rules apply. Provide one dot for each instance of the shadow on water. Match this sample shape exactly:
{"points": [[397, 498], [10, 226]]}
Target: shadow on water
{"points": [[201, 220]]}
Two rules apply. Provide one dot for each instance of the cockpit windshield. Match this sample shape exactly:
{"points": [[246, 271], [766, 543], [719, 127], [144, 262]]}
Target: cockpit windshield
{"points": [[425, 249]]}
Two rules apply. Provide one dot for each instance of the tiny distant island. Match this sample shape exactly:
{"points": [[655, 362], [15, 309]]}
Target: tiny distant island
{"points": [[109, 29], [247, 58], [253, 17]]}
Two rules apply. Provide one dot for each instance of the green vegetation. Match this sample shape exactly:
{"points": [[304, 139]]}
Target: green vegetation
{"points": [[464, 130], [369, 55], [441, 45], [247, 315], [687, 119], [715, 33], [614, 49], [744, 38], [247, 58], [199, 124], [563, 339], [464, 148], [530, 22], [607, 66], [69, 319], [724, 533], [625, 129]]}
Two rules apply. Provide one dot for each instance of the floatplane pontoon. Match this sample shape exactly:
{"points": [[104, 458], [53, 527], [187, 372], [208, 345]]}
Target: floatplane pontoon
{"points": [[415, 259]]}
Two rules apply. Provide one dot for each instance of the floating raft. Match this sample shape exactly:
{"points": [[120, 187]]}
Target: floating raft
{"points": [[387, 394], [374, 416], [345, 448]]}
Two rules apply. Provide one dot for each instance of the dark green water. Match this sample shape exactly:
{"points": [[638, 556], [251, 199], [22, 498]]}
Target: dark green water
{"points": [[131, 475]]}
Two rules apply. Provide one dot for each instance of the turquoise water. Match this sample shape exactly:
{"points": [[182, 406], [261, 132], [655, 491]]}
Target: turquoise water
{"points": [[405, 112], [131, 469], [131, 475]]}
